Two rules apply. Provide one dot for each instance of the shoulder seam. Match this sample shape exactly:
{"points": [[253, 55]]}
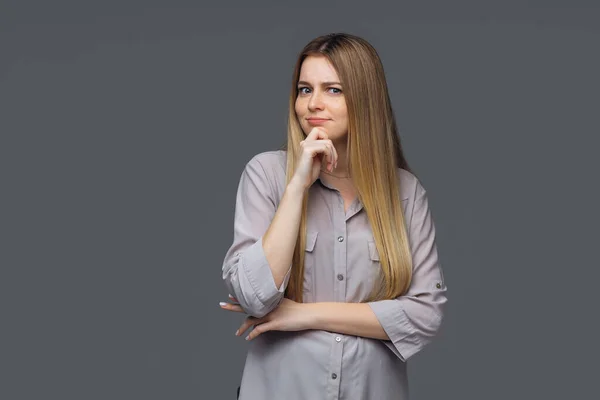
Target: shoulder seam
{"points": [[273, 196]]}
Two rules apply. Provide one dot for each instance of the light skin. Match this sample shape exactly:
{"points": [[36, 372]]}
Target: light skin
{"points": [[320, 95]]}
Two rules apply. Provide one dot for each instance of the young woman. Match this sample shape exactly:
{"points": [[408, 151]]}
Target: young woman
{"points": [[334, 256]]}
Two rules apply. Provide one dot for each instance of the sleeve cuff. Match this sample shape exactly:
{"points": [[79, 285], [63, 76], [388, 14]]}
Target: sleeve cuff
{"points": [[404, 340], [260, 275]]}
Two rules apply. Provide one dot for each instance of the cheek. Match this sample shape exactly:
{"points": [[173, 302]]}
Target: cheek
{"points": [[299, 107], [341, 112], [300, 113]]}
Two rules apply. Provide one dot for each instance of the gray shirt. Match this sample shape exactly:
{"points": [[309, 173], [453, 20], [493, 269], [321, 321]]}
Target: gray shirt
{"points": [[341, 264]]}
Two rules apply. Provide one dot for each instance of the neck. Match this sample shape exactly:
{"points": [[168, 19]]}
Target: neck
{"points": [[342, 161]]}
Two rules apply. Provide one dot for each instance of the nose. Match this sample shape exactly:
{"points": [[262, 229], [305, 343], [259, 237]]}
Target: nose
{"points": [[315, 102]]}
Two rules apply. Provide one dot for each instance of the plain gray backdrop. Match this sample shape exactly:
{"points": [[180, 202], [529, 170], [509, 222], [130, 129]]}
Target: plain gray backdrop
{"points": [[125, 126]]}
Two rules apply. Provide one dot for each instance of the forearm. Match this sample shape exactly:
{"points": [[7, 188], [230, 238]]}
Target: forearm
{"points": [[280, 238], [355, 319]]}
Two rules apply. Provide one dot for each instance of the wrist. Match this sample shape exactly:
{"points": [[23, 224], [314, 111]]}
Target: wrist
{"points": [[311, 312], [295, 188]]}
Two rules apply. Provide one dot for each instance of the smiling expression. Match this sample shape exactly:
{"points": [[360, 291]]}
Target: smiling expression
{"points": [[320, 101]]}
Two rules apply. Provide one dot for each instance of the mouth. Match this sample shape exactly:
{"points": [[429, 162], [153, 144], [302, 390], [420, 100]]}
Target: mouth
{"points": [[317, 121]]}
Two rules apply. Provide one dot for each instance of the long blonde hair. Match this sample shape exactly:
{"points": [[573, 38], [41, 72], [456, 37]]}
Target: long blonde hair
{"points": [[374, 156]]}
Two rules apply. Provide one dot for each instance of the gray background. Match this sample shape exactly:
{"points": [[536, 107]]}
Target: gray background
{"points": [[125, 126]]}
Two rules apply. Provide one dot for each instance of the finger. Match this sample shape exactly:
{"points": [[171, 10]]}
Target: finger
{"points": [[248, 322], [319, 148], [335, 156], [328, 156], [332, 154], [316, 133], [231, 307], [234, 300], [321, 134], [260, 329]]}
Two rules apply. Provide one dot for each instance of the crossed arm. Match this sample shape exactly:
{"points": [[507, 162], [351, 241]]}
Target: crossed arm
{"points": [[257, 268], [357, 319]]}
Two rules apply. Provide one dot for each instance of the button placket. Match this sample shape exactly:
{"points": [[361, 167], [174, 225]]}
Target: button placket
{"points": [[339, 268], [340, 230]]}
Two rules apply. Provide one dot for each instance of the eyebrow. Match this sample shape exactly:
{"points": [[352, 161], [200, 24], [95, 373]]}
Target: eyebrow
{"points": [[322, 83]]}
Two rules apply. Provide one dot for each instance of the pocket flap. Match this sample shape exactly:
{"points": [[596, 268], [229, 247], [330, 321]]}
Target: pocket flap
{"points": [[311, 240], [373, 253]]}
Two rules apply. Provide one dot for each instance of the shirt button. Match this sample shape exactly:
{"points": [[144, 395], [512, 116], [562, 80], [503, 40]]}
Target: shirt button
{"points": [[340, 239], [338, 339], [438, 285], [340, 277], [334, 376]]}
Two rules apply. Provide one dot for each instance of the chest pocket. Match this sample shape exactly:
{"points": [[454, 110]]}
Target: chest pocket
{"points": [[309, 265], [373, 253], [375, 270]]}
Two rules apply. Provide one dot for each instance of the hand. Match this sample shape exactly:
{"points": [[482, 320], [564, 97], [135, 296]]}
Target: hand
{"points": [[314, 150], [233, 306], [288, 316]]}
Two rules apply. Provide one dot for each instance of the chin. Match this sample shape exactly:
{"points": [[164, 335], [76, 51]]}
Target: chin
{"points": [[333, 135]]}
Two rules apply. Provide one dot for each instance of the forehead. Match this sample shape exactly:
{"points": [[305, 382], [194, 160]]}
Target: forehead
{"points": [[317, 69]]}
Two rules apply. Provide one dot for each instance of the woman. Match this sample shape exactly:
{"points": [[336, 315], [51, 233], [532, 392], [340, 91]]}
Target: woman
{"points": [[334, 257]]}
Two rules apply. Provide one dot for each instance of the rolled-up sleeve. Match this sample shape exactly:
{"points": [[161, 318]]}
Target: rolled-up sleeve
{"points": [[413, 319], [246, 271]]}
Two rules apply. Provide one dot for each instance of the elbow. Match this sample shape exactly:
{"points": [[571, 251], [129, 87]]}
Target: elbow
{"points": [[249, 279], [428, 330], [440, 314], [254, 302], [413, 327], [421, 335], [432, 327], [431, 330]]}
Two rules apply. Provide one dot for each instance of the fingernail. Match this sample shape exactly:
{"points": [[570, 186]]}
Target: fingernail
{"points": [[230, 296], [237, 333], [222, 304], [247, 337]]}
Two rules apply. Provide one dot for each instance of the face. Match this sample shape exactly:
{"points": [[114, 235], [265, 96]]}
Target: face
{"points": [[320, 100]]}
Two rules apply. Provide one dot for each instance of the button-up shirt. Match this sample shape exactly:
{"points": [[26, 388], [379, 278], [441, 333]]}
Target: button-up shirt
{"points": [[341, 265]]}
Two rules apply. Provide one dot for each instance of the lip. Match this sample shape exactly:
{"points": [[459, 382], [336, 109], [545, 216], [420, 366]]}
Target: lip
{"points": [[316, 121]]}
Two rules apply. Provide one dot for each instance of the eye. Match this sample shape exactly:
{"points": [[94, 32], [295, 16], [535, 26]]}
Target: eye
{"points": [[336, 90], [301, 89]]}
